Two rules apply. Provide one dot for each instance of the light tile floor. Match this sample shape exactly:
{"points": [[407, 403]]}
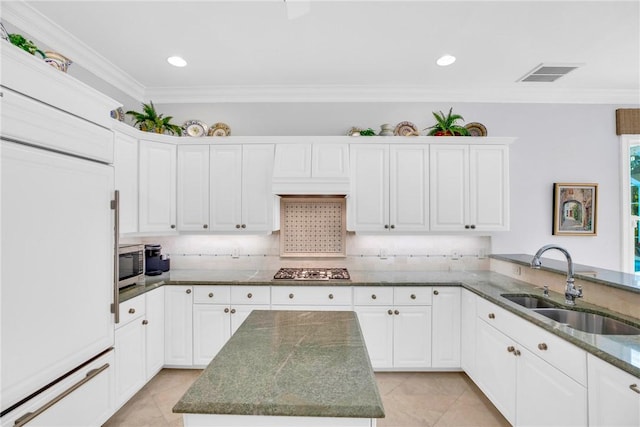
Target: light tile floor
{"points": [[428, 399]]}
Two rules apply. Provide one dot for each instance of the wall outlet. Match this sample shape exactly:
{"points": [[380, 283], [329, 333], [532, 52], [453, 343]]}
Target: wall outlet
{"points": [[455, 255], [517, 270], [235, 253]]}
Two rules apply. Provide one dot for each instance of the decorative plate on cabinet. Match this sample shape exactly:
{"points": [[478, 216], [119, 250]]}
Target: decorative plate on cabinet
{"points": [[406, 129], [476, 129], [219, 129], [195, 128]]}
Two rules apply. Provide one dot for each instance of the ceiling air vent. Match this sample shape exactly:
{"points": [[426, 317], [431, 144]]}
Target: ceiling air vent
{"points": [[547, 73]]}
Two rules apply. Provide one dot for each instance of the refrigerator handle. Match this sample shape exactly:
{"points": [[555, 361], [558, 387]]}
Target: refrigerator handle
{"points": [[31, 415], [115, 307]]}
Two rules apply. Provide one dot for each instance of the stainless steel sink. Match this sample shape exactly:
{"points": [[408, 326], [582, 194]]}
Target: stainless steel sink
{"points": [[589, 322], [529, 301]]}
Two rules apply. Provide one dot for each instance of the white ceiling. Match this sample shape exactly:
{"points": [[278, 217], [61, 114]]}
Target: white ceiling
{"points": [[347, 50]]}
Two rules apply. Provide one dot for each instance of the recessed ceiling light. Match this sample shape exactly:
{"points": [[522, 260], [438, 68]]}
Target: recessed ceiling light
{"points": [[445, 60], [177, 61]]}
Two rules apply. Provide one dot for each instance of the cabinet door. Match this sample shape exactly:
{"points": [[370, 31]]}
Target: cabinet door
{"points": [[178, 320], [368, 209], [412, 337], [409, 188], [614, 401], [157, 189], [130, 360], [257, 197], [446, 327], [496, 369], [468, 318], [292, 161], [193, 187], [239, 314], [546, 396], [211, 330], [154, 335], [489, 187], [330, 161], [449, 187], [225, 185], [377, 329], [125, 165]]}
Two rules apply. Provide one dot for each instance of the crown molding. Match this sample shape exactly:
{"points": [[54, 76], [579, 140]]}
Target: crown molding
{"points": [[42, 28], [532, 93]]}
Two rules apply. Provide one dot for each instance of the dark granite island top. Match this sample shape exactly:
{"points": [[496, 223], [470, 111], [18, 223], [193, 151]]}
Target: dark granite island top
{"points": [[283, 365]]}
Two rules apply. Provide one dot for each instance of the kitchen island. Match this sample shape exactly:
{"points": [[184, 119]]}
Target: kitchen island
{"points": [[287, 368]]}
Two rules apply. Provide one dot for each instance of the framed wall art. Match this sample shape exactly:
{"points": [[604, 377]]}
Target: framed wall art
{"points": [[574, 209]]}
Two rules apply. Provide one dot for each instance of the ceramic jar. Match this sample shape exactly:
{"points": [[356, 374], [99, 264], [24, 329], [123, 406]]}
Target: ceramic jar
{"points": [[386, 130]]}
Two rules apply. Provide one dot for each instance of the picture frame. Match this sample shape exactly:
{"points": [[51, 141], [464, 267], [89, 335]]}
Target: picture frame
{"points": [[575, 209]]}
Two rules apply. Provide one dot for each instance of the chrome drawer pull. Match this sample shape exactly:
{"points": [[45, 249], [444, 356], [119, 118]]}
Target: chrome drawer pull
{"points": [[542, 346], [492, 316], [373, 296], [31, 415], [249, 295], [132, 310]]}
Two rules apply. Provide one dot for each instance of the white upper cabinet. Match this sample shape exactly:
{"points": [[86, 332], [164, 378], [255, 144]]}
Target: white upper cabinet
{"points": [[240, 187], [125, 165], [311, 168], [390, 188], [469, 187], [157, 189], [193, 188]]}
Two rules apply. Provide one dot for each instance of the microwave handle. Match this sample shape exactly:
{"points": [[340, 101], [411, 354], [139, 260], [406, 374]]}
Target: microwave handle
{"points": [[115, 206]]}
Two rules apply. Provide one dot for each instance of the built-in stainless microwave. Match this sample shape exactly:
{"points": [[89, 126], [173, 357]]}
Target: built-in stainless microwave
{"points": [[131, 264]]}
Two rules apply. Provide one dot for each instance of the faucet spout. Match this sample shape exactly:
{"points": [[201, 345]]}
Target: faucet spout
{"points": [[571, 293]]}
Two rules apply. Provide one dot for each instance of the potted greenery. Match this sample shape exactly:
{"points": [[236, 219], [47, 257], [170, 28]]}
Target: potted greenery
{"points": [[150, 121], [446, 125], [24, 44]]}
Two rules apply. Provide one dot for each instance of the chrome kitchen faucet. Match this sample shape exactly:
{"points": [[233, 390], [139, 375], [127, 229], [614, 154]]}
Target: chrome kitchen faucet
{"points": [[571, 292]]}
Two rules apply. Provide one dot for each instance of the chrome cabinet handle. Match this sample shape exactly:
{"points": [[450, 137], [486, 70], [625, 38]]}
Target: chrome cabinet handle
{"points": [[330, 296], [517, 353], [115, 206], [390, 312], [26, 418], [492, 316], [210, 294], [205, 226], [249, 295], [173, 226], [511, 349], [413, 296], [392, 226], [386, 226], [188, 291], [237, 225], [373, 296], [244, 226], [635, 388], [542, 346], [396, 312], [233, 310], [145, 322], [226, 310], [132, 310], [436, 292], [290, 296]]}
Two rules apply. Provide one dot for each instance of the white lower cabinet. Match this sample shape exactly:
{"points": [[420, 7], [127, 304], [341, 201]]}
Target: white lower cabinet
{"points": [[534, 379], [445, 335], [468, 318], [614, 395], [178, 320], [130, 351], [217, 312], [154, 331], [396, 325]]}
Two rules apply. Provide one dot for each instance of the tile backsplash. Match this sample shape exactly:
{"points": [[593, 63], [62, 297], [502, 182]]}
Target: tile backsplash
{"points": [[364, 252]]}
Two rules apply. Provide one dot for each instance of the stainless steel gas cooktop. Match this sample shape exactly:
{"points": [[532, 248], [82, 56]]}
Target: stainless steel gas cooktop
{"points": [[312, 274]]}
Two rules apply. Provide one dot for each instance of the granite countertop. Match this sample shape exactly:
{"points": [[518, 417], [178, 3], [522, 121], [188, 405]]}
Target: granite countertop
{"points": [[619, 350], [289, 363]]}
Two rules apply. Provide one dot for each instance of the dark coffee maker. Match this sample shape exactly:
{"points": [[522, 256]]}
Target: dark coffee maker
{"points": [[155, 262]]}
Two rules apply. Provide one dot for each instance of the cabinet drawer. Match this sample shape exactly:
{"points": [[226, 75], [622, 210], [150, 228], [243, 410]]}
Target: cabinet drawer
{"points": [[499, 318], [250, 295], [373, 295], [562, 354], [412, 295], [311, 295], [131, 309], [211, 294]]}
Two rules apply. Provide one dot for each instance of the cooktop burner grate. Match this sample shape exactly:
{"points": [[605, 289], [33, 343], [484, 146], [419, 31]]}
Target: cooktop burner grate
{"points": [[312, 274]]}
